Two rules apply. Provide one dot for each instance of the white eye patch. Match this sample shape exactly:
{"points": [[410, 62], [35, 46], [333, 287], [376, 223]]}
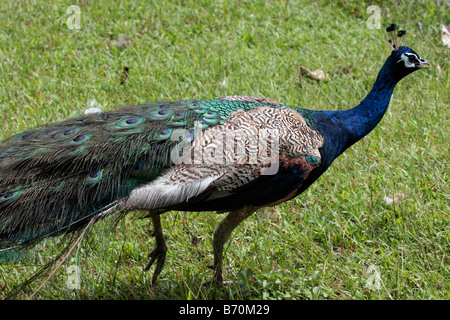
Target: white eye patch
{"points": [[406, 58]]}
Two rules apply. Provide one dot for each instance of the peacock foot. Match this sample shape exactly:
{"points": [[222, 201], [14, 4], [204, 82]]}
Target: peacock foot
{"points": [[216, 280], [159, 255]]}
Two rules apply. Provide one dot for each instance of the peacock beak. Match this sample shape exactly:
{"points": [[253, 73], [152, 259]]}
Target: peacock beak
{"points": [[424, 64]]}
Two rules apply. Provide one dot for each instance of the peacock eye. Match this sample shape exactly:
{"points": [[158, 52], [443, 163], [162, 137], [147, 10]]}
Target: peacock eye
{"points": [[411, 59]]}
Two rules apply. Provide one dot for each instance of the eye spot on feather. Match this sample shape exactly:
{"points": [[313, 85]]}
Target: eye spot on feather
{"points": [[77, 149], [200, 110], [160, 114], [47, 133], [19, 137], [129, 122], [203, 124], [137, 166], [197, 107], [79, 138], [210, 114], [137, 169], [24, 136], [69, 132], [210, 121], [58, 184], [94, 176], [66, 133], [178, 117], [10, 196], [163, 134]]}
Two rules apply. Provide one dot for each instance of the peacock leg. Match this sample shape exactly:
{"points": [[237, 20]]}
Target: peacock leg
{"points": [[222, 234], [159, 252]]}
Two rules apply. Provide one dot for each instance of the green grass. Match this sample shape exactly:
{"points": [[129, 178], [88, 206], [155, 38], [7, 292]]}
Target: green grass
{"points": [[324, 244]]}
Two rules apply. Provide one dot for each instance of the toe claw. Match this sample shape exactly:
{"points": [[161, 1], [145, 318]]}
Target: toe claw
{"points": [[159, 255]]}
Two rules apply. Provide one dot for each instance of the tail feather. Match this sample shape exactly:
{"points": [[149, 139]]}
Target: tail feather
{"points": [[54, 179]]}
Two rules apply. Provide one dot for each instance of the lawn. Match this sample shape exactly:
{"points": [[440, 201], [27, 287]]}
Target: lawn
{"points": [[375, 226]]}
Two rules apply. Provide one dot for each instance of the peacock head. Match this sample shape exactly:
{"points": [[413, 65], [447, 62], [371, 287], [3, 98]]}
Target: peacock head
{"points": [[405, 59], [409, 59]]}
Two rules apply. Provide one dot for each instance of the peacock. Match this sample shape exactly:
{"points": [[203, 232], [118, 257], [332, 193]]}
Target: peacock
{"points": [[233, 155]]}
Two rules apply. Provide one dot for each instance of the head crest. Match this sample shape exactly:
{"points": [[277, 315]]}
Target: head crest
{"points": [[395, 35]]}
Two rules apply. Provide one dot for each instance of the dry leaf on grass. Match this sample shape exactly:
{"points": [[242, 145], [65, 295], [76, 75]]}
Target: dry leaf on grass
{"points": [[122, 42], [94, 107], [317, 75], [446, 35], [397, 198], [420, 25]]}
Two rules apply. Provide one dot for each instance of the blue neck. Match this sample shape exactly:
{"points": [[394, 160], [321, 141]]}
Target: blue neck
{"points": [[344, 128]]}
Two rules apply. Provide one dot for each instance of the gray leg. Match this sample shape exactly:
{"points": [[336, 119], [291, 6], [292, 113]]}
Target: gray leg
{"points": [[222, 234], [159, 253]]}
